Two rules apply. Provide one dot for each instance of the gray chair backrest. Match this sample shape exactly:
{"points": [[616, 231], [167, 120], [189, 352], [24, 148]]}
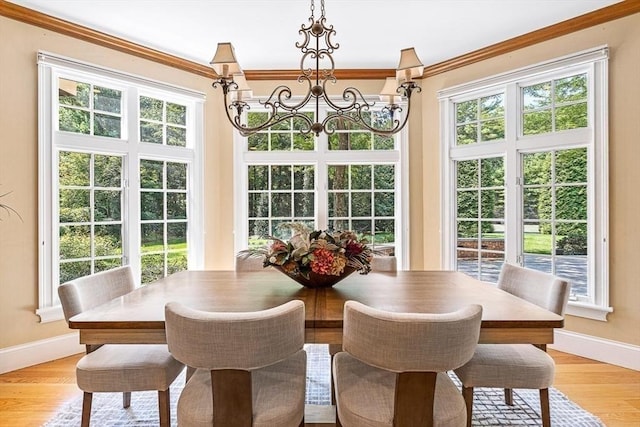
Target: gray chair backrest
{"points": [[234, 340], [411, 342], [249, 263], [543, 289], [384, 263], [86, 292]]}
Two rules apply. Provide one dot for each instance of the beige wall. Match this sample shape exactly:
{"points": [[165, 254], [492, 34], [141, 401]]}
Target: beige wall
{"points": [[623, 38], [19, 162]]}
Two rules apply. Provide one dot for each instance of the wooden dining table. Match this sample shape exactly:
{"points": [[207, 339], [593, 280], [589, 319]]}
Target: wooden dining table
{"points": [[138, 317]]}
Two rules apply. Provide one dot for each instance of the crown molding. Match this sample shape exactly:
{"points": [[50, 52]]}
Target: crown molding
{"points": [[597, 17]]}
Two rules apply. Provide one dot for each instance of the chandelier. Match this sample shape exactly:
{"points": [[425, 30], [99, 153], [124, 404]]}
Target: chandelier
{"points": [[317, 46]]}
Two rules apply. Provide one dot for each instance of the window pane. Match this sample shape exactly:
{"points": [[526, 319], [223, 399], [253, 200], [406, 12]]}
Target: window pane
{"points": [[258, 205], [108, 240], [108, 100], [383, 143], [304, 205], [492, 172], [536, 96], [537, 122], [360, 204], [73, 270], [177, 236], [281, 204], [176, 176], [467, 204], [151, 108], [71, 92], [571, 116], [280, 177], [360, 177], [467, 173], [151, 206], [571, 165], [338, 177], [492, 107], [492, 130], [537, 168], [492, 204], [72, 120], [107, 205], [572, 88], [571, 202], [75, 205], [176, 205], [151, 132], [280, 141], [303, 178], [73, 168], [466, 111], [384, 177], [107, 171], [176, 114], [258, 177], [258, 142], [151, 174], [338, 204], [152, 237], [152, 267], [466, 134], [105, 125], [384, 204], [75, 242], [176, 136]]}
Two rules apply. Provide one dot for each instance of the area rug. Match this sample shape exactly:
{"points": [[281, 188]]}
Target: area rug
{"points": [[489, 408]]}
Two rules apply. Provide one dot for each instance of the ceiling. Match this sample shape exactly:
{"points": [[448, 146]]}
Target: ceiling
{"points": [[264, 32]]}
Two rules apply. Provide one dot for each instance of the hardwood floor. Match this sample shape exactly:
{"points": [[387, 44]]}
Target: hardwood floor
{"points": [[30, 396]]}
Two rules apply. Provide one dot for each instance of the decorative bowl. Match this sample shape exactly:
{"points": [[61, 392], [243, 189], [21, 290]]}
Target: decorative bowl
{"points": [[316, 280]]}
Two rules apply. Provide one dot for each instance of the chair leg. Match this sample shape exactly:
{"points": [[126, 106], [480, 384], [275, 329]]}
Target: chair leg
{"points": [[164, 408], [126, 399], [544, 407], [508, 396], [86, 409], [467, 393], [333, 349]]}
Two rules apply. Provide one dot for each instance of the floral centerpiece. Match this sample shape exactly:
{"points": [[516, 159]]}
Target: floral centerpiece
{"points": [[317, 258]]}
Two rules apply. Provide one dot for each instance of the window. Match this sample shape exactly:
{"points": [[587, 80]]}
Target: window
{"points": [[348, 180], [119, 176], [525, 175]]}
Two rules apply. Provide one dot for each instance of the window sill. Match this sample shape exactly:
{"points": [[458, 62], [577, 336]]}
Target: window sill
{"points": [[588, 311], [50, 314]]}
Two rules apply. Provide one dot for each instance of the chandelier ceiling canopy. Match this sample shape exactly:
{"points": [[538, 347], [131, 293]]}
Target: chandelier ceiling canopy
{"points": [[317, 48]]}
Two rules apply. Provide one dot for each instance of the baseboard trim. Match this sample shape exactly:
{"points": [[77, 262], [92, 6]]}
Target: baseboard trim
{"points": [[36, 352], [608, 351]]}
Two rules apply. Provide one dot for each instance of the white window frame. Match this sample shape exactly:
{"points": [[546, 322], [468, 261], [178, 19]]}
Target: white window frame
{"points": [[51, 142], [594, 62], [322, 157]]}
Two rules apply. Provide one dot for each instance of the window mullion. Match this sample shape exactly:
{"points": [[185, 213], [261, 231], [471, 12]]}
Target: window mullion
{"points": [[513, 177]]}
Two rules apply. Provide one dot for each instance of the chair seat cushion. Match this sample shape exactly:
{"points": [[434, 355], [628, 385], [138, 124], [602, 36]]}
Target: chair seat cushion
{"points": [[127, 367], [278, 395], [365, 395], [508, 366]]}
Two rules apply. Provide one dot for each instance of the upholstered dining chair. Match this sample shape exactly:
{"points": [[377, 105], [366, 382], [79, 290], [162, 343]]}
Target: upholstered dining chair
{"points": [[117, 367], [384, 263], [392, 370], [512, 366], [250, 367], [249, 263]]}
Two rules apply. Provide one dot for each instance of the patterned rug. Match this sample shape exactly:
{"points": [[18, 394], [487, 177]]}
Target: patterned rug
{"points": [[489, 408]]}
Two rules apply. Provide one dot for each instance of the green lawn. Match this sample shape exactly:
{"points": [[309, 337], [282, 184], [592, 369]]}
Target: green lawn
{"points": [[534, 243]]}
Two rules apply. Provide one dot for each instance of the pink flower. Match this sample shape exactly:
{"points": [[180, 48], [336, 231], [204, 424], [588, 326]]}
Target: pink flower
{"points": [[322, 261]]}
